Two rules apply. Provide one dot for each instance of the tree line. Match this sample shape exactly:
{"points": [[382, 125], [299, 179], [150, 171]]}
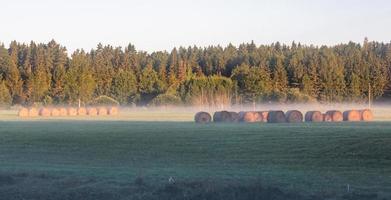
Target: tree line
{"points": [[38, 73]]}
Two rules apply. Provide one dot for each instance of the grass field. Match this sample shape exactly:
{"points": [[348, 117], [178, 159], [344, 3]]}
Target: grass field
{"points": [[135, 160]]}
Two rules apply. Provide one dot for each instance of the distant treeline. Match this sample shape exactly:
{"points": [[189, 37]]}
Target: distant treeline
{"points": [[214, 75]]}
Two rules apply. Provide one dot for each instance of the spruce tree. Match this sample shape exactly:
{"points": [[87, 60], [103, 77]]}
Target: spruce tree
{"points": [[5, 96]]}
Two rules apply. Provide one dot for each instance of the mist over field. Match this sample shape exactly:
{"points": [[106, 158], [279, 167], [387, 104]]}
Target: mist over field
{"points": [[381, 111]]}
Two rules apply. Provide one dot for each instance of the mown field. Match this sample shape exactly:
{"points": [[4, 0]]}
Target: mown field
{"points": [[183, 160]]}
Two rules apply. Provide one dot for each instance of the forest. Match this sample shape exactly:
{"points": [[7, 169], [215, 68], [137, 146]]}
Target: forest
{"points": [[47, 74]]}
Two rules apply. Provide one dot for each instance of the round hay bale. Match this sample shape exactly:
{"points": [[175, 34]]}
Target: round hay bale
{"points": [[366, 115], [33, 112], [258, 116], [202, 118], [113, 111], [234, 116], [336, 115], [72, 111], [327, 117], [102, 111], [294, 116], [23, 112], [222, 116], [55, 112], [44, 112], [81, 111], [249, 117], [263, 115], [276, 116], [92, 111], [351, 116], [63, 112], [313, 116]]}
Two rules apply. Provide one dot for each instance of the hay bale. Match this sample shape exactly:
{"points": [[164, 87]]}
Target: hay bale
{"points": [[276, 116], [63, 112], [336, 115], [258, 116], [92, 111], [249, 116], [327, 117], [33, 112], [351, 116], [234, 116], [222, 116], [263, 115], [72, 111], [23, 112], [44, 112], [113, 110], [366, 115], [294, 116], [313, 116], [55, 112], [81, 111], [202, 118], [102, 111]]}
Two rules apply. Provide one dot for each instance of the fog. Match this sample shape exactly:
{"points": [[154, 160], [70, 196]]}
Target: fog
{"points": [[381, 111]]}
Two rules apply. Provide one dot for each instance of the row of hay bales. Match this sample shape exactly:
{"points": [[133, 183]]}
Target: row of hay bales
{"points": [[69, 111], [291, 116]]}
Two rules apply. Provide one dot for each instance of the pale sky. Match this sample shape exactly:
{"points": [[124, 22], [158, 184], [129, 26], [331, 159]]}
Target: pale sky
{"points": [[153, 25]]}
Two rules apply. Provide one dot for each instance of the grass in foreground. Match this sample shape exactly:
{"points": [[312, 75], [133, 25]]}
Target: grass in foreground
{"points": [[108, 159]]}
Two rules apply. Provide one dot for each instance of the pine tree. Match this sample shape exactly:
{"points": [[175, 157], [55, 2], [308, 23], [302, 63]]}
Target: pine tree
{"points": [[307, 85], [254, 83], [103, 69], [80, 83], [5, 96], [41, 76], [13, 78], [124, 87], [172, 67], [58, 71], [279, 74]]}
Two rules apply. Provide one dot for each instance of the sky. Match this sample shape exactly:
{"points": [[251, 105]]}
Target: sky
{"points": [[154, 25]]}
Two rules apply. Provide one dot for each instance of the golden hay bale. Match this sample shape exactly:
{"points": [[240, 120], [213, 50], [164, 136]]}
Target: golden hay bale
{"points": [[44, 112], [23, 112], [92, 111], [113, 111], [222, 116], [276, 116], [351, 116], [63, 112], [81, 111], [102, 111], [258, 116], [72, 111], [336, 115], [294, 116], [263, 115], [202, 118], [327, 117], [234, 116], [33, 112], [249, 116], [366, 115], [313, 116], [55, 112]]}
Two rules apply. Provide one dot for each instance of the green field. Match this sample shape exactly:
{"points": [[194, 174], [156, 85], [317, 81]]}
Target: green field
{"points": [[135, 160]]}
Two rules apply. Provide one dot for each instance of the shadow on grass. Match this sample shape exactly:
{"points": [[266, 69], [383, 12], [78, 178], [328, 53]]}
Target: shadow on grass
{"points": [[46, 187]]}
